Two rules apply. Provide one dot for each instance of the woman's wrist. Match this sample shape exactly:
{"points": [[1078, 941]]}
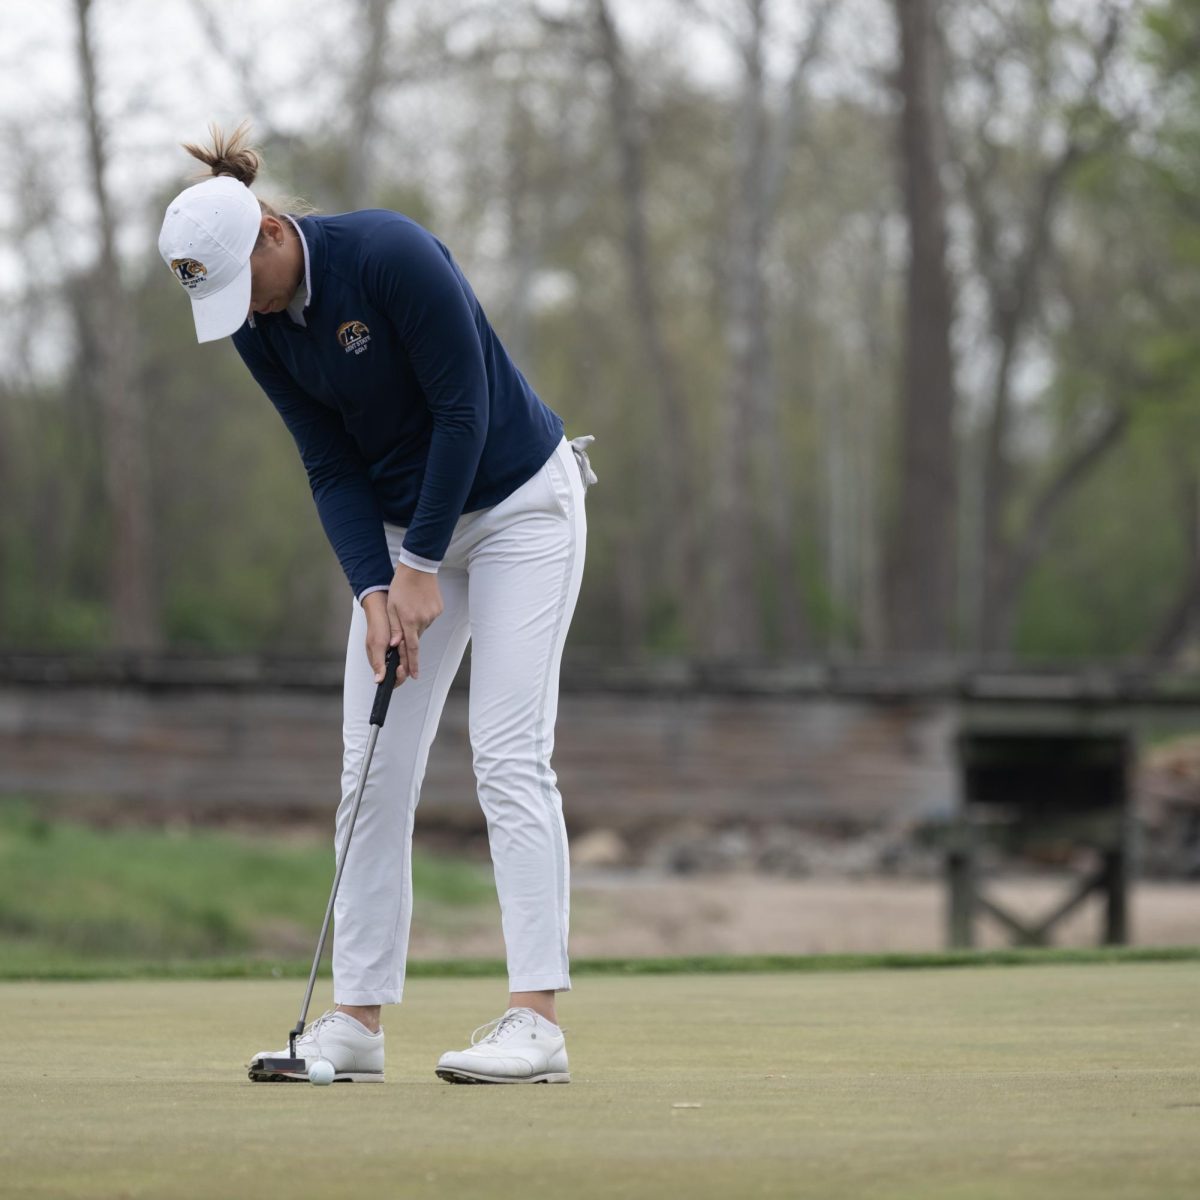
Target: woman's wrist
{"points": [[413, 575], [426, 566]]}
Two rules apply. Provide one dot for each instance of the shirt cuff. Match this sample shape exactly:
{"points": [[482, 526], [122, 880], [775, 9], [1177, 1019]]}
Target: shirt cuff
{"points": [[379, 587], [428, 565]]}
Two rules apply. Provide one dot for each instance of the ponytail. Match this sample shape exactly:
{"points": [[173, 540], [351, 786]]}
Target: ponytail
{"points": [[229, 154]]}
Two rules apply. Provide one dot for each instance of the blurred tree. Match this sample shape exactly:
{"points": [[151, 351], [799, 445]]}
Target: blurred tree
{"points": [[366, 86], [1102, 517], [339, 162], [1167, 264], [696, 227], [1038, 119], [677, 514], [750, 433], [921, 565], [111, 335], [838, 281]]}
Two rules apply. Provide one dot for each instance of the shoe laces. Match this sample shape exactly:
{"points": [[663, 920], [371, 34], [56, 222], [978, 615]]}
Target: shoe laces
{"points": [[324, 1019], [492, 1031]]}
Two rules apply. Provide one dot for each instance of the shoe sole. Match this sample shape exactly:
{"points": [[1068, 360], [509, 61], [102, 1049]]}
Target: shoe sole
{"points": [[259, 1076], [452, 1075]]}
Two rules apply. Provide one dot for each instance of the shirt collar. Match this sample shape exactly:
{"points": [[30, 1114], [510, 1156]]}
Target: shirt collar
{"points": [[304, 291], [302, 297]]}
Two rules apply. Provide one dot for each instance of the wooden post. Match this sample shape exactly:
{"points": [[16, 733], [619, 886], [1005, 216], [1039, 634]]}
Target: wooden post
{"points": [[960, 878], [1118, 863], [1073, 784]]}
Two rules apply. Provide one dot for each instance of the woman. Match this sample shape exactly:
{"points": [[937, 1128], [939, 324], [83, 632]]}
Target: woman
{"points": [[456, 508]]}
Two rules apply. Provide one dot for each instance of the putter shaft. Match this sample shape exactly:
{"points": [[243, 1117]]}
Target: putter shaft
{"points": [[337, 878]]}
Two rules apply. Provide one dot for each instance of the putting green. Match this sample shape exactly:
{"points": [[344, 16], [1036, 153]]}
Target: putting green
{"points": [[1058, 1081]]}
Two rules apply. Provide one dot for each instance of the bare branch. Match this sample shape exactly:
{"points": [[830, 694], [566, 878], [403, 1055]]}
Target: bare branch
{"points": [[716, 14], [1057, 490], [1012, 293], [364, 102], [978, 174], [808, 48], [243, 66], [679, 542]]}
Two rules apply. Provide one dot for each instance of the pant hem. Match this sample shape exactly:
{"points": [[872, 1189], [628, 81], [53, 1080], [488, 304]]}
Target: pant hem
{"points": [[369, 996], [539, 983]]}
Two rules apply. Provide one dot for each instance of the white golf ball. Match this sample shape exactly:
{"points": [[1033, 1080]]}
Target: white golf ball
{"points": [[321, 1072]]}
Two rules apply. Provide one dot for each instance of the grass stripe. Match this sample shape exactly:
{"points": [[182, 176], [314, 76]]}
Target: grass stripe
{"points": [[81, 969]]}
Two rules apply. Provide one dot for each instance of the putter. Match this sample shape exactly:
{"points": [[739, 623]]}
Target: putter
{"points": [[293, 1069]]}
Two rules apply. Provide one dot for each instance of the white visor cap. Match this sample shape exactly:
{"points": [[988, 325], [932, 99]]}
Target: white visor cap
{"points": [[206, 239]]}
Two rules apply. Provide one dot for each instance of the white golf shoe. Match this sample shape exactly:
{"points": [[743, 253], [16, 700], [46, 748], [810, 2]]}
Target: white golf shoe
{"points": [[519, 1047], [355, 1054]]}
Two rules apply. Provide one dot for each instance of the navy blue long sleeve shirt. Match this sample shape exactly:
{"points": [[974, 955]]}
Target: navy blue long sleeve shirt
{"points": [[403, 402]]}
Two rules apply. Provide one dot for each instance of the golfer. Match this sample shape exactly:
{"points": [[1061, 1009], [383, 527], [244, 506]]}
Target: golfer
{"points": [[456, 508]]}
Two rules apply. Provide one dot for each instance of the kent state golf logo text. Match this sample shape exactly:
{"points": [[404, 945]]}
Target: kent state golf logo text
{"points": [[189, 272], [353, 336]]}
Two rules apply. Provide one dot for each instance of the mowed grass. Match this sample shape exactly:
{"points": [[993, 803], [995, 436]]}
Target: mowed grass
{"points": [[1068, 1081], [72, 896]]}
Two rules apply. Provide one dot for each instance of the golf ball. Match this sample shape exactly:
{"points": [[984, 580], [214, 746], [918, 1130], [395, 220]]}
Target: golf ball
{"points": [[321, 1072]]}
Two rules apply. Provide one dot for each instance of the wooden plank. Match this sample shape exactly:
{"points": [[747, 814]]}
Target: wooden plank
{"points": [[622, 761]]}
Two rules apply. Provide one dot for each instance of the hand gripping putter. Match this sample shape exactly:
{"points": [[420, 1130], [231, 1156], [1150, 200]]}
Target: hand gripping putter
{"points": [[281, 1070]]}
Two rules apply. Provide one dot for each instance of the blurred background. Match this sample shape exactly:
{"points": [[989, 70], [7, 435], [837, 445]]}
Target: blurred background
{"points": [[882, 314]]}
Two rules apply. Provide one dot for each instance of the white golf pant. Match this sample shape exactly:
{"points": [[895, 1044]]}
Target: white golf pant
{"points": [[509, 582]]}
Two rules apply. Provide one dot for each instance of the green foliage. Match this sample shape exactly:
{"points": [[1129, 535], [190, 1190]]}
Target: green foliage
{"points": [[1174, 43], [69, 892], [1124, 278], [1098, 590]]}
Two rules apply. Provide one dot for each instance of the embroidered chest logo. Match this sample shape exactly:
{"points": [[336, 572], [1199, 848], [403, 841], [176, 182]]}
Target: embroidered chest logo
{"points": [[189, 272], [353, 336]]}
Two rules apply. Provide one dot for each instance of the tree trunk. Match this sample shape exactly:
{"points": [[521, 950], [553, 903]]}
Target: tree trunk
{"points": [[868, 417], [366, 84], [675, 524], [762, 189], [921, 575], [734, 604], [523, 241], [134, 612], [751, 460]]}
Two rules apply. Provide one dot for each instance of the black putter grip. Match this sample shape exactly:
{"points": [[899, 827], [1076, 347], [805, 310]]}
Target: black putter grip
{"points": [[383, 692]]}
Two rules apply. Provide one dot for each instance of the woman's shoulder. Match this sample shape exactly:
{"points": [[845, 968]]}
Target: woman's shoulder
{"points": [[369, 227], [373, 238]]}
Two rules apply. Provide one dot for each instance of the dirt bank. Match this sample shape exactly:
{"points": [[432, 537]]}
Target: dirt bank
{"points": [[615, 915]]}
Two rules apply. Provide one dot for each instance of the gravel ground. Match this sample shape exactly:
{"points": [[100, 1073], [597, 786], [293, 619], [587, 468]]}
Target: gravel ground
{"points": [[619, 914]]}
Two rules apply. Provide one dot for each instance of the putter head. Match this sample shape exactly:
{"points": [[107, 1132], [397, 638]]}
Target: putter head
{"points": [[282, 1070], [279, 1070]]}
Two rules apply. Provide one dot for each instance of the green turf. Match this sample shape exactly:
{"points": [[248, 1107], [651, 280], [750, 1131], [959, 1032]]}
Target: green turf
{"points": [[1072, 1082], [72, 894]]}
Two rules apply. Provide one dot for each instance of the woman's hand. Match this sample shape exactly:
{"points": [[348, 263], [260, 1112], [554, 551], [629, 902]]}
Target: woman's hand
{"points": [[414, 602], [379, 633]]}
